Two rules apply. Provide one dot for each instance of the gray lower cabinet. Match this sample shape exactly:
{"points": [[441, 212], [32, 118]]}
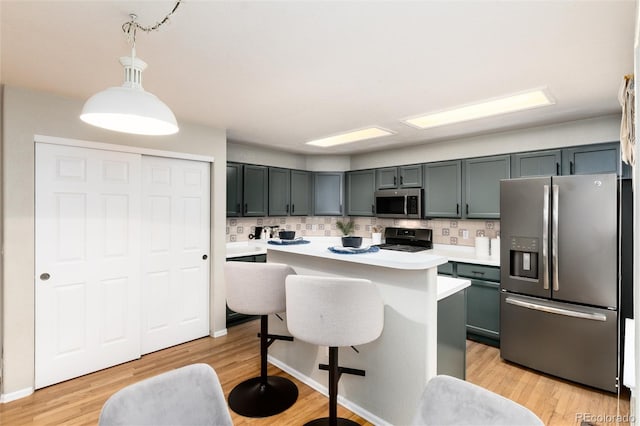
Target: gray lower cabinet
{"points": [[255, 190], [482, 186], [483, 302], [443, 189], [452, 347], [234, 189], [279, 191], [328, 193], [538, 163], [300, 193], [483, 299], [361, 186]]}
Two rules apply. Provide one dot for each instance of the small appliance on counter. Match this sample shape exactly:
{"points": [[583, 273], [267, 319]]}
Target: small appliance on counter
{"points": [[407, 240], [257, 234]]}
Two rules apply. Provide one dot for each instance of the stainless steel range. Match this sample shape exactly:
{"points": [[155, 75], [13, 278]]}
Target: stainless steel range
{"points": [[407, 239]]}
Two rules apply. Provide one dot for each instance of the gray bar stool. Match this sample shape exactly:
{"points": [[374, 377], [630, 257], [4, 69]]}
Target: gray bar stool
{"points": [[259, 289], [334, 311]]}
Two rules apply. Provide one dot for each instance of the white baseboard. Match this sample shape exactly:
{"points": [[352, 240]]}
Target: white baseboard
{"points": [[355, 408], [8, 397], [220, 333]]}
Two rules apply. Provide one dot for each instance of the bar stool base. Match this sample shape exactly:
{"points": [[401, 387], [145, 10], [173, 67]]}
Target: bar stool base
{"points": [[326, 421], [252, 398]]}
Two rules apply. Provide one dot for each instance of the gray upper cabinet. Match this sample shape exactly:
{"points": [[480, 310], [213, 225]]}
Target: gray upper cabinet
{"points": [[300, 193], [387, 178], [279, 191], [538, 163], [443, 189], [234, 189], [598, 158], [255, 190], [360, 189], [399, 177], [482, 185], [328, 194]]}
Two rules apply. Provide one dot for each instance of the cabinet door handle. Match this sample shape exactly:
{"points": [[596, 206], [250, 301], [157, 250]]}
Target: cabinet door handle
{"points": [[340, 208], [572, 168], [457, 208], [467, 208], [205, 257], [246, 208], [477, 272], [287, 209], [401, 180], [45, 276], [394, 180], [557, 169], [373, 208], [293, 208]]}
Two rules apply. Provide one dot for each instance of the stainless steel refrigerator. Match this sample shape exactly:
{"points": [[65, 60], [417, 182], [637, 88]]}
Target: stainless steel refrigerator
{"points": [[559, 281]]}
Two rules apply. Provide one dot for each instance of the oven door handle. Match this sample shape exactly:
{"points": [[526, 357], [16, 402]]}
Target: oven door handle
{"points": [[406, 200]]}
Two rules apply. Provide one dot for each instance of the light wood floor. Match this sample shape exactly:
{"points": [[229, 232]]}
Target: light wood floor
{"points": [[235, 358]]}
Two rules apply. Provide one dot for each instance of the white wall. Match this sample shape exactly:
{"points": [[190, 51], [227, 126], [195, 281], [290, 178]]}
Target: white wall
{"points": [[25, 114], [581, 132], [255, 154]]}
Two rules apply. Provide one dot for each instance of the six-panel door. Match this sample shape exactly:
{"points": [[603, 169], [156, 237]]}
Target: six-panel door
{"points": [[87, 265]]}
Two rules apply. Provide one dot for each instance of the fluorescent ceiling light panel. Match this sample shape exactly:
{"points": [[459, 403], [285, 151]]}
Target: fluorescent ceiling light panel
{"points": [[519, 102], [349, 137]]}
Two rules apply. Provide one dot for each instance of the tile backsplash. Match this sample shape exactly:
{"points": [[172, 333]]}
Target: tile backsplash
{"points": [[445, 231]]}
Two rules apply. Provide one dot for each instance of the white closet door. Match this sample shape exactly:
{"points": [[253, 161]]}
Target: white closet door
{"points": [[175, 252], [87, 277]]}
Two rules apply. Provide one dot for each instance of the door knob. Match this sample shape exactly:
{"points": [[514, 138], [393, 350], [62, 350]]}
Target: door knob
{"points": [[45, 276]]}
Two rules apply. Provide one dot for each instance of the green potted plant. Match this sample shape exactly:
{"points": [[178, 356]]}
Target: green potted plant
{"points": [[347, 229]]}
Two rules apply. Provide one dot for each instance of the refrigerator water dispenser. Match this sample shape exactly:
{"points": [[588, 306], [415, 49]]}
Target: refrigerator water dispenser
{"points": [[523, 255]]}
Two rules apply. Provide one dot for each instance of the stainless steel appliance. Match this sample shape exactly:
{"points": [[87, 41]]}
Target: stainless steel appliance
{"points": [[559, 281], [406, 239], [399, 203]]}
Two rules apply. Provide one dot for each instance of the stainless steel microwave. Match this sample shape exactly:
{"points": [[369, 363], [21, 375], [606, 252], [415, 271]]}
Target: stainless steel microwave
{"points": [[399, 203]]}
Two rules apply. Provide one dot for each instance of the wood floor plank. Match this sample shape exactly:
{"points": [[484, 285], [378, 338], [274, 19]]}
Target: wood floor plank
{"points": [[235, 357]]}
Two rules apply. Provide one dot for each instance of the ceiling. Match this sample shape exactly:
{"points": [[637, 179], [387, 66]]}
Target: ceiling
{"points": [[280, 73]]}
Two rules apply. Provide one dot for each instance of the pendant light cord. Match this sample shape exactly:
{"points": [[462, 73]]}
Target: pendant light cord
{"points": [[132, 26]]}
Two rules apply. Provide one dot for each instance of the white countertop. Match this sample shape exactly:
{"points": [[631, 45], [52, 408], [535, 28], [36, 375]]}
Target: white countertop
{"points": [[451, 252], [319, 247], [448, 286]]}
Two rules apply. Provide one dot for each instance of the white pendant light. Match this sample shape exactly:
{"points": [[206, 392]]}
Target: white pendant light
{"points": [[129, 108]]}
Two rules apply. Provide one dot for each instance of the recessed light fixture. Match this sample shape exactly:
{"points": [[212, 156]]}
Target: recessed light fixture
{"points": [[349, 137], [518, 102]]}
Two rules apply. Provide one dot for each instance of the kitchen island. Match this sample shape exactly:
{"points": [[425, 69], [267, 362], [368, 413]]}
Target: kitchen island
{"points": [[401, 361]]}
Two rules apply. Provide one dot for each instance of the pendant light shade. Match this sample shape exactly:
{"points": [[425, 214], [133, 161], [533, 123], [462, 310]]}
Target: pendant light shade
{"points": [[129, 108]]}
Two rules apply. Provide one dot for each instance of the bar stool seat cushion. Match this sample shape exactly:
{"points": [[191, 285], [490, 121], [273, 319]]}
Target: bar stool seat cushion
{"points": [[190, 395], [334, 311], [256, 288], [448, 401]]}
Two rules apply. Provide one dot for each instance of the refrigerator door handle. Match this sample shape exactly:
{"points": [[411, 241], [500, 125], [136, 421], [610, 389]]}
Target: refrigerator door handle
{"points": [[554, 310], [554, 237], [545, 239]]}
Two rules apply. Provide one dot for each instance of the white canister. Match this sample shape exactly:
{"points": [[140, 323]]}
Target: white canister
{"points": [[495, 248], [482, 246], [376, 237]]}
